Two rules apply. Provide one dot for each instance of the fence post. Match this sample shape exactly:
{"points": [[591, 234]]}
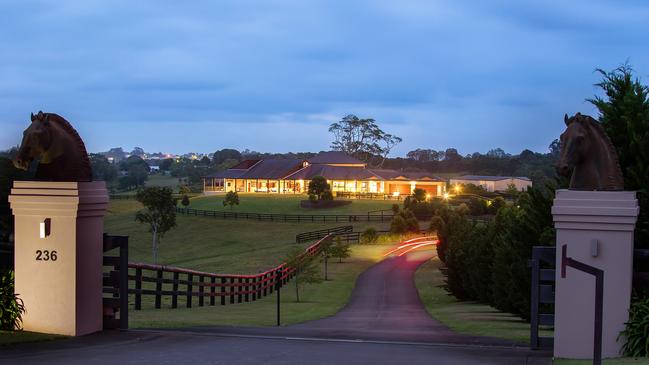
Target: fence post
{"points": [[201, 290], [123, 284], [174, 296], [247, 289], [222, 291], [231, 290], [239, 286], [138, 289], [158, 289], [212, 290], [190, 278]]}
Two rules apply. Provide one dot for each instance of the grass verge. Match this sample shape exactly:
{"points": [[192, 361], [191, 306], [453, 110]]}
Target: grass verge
{"points": [[15, 337], [318, 300], [466, 317]]}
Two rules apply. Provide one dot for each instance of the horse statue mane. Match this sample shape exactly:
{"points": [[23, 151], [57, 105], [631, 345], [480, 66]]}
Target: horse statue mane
{"points": [[56, 144], [588, 156]]}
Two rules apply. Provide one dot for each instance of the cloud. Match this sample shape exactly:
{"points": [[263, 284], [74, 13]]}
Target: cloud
{"points": [[473, 75]]}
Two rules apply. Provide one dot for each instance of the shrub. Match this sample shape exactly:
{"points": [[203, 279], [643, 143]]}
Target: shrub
{"points": [[11, 307], [423, 210], [185, 201], [463, 209], [313, 198], [419, 195], [398, 225], [327, 195], [477, 206], [395, 208], [317, 186], [496, 204], [369, 236], [231, 199], [340, 249], [635, 334]]}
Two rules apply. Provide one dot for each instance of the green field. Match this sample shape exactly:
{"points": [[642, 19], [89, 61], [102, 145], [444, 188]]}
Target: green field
{"points": [[211, 244], [286, 204], [466, 317]]}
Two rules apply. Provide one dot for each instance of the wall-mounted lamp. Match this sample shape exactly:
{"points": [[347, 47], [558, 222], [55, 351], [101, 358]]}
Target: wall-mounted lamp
{"points": [[45, 227]]}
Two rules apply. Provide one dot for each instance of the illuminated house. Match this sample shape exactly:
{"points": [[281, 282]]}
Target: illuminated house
{"points": [[494, 183], [344, 174]]}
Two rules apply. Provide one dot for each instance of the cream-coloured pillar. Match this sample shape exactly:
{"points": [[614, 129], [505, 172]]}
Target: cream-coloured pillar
{"points": [[597, 227], [59, 253]]}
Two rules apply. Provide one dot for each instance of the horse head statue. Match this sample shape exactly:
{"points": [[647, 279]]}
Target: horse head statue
{"points": [[587, 153], [61, 153]]}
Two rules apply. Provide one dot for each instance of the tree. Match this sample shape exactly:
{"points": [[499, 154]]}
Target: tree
{"points": [[102, 169], [362, 138], [327, 251], [231, 199], [624, 114], [226, 154], [306, 270], [341, 250], [185, 201], [317, 186], [419, 195], [159, 213], [165, 165]]}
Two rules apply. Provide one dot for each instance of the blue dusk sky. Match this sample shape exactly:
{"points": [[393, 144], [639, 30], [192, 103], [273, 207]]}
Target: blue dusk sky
{"points": [[179, 76]]}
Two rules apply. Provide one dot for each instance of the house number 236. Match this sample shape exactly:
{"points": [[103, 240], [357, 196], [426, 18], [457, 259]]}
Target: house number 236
{"points": [[45, 255]]}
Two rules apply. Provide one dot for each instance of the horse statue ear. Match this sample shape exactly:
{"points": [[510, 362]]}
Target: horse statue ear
{"points": [[565, 119], [33, 117]]}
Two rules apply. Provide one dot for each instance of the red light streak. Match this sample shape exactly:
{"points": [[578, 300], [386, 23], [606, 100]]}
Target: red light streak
{"points": [[417, 246]]}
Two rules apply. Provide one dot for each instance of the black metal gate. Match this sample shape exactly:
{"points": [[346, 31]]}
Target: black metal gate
{"points": [[543, 277], [115, 283]]}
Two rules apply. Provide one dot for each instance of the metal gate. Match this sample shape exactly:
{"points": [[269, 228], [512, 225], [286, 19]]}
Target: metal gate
{"points": [[543, 277]]}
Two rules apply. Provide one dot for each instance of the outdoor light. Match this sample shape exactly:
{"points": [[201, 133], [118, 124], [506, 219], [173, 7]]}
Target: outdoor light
{"points": [[446, 196], [44, 227], [427, 196], [457, 189]]}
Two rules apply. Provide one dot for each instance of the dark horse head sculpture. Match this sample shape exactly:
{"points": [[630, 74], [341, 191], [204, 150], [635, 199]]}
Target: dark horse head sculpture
{"points": [[61, 153], [588, 153]]}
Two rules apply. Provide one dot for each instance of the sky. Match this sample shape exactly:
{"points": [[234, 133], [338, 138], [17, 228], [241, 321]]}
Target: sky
{"points": [[271, 76]]}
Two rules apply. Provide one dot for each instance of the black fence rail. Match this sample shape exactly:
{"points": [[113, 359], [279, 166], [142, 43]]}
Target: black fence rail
{"points": [[178, 284], [314, 235], [115, 282], [293, 218]]}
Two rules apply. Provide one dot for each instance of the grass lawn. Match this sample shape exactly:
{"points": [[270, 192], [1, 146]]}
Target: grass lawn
{"points": [[13, 337], [317, 300], [621, 361], [209, 244], [286, 204], [162, 180], [466, 317]]}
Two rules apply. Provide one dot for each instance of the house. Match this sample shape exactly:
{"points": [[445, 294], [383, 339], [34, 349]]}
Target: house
{"points": [[494, 183], [344, 174]]}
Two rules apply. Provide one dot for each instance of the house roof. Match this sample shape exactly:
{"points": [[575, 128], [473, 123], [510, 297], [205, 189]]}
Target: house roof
{"points": [[262, 169], [490, 178], [400, 175], [334, 157], [334, 173]]}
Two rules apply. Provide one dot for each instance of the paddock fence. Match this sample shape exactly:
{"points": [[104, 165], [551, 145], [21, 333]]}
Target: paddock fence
{"points": [[175, 284], [293, 218]]}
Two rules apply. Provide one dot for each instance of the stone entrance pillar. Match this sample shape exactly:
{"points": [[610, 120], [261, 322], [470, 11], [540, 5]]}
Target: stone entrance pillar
{"points": [[597, 227], [58, 254]]}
